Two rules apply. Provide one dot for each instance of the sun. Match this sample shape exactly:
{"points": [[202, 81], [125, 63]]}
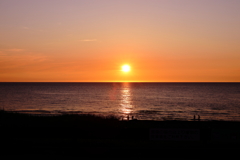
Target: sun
{"points": [[126, 68]]}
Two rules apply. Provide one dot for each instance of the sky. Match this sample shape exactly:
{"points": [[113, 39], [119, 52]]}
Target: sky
{"points": [[89, 40]]}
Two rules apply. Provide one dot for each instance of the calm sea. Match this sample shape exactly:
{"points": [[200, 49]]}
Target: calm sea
{"points": [[144, 101]]}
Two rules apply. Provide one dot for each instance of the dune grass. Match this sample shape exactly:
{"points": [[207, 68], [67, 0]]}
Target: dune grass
{"points": [[15, 119]]}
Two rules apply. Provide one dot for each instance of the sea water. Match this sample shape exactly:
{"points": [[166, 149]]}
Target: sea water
{"points": [[143, 101]]}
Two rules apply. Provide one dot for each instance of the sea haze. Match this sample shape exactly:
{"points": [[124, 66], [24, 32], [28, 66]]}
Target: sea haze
{"points": [[144, 101]]}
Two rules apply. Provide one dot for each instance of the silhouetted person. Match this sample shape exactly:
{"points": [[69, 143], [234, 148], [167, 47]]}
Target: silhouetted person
{"points": [[133, 118], [198, 117], [194, 117]]}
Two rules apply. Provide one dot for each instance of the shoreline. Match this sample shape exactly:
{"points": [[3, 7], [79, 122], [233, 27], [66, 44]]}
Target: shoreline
{"points": [[98, 116], [45, 113]]}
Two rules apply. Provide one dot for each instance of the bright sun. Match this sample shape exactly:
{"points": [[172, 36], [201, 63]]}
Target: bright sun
{"points": [[126, 68]]}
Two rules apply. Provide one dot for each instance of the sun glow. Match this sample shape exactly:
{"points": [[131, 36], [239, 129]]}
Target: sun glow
{"points": [[126, 68]]}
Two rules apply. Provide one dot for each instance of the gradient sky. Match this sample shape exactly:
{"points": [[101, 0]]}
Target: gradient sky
{"points": [[89, 40]]}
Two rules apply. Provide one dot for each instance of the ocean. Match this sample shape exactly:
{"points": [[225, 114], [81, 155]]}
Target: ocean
{"points": [[142, 101]]}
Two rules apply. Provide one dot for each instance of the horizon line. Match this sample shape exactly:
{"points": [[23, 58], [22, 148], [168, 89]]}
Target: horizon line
{"points": [[115, 82]]}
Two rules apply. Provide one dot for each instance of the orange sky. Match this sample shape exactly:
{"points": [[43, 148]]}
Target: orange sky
{"points": [[89, 41]]}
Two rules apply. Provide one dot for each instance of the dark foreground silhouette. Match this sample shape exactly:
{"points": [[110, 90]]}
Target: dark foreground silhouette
{"points": [[99, 136]]}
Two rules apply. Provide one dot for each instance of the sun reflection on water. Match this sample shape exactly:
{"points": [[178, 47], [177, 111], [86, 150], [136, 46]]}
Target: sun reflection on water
{"points": [[126, 102]]}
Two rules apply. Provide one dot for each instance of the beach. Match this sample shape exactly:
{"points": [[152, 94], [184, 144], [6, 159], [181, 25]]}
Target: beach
{"points": [[92, 136]]}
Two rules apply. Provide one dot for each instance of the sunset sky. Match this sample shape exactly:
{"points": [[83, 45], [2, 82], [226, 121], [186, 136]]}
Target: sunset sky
{"points": [[90, 40]]}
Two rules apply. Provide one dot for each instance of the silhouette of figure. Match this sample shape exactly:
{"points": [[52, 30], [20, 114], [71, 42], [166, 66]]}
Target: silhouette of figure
{"points": [[128, 117], [198, 117], [133, 118], [194, 117]]}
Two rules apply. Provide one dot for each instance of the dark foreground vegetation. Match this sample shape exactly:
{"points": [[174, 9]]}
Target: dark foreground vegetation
{"points": [[107, 136]]}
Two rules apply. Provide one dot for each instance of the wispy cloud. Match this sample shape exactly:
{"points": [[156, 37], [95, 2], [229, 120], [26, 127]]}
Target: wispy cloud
{"points": [[2, 55], [16, 62], [27, 28], [14, 50], [89, 40], [32, 29]]}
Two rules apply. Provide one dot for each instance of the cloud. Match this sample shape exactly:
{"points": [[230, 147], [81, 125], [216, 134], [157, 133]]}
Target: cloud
{"points": [[2, 55], [27, 28], [16, 62], [89, 40], [14, 50], [32, 29]]}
